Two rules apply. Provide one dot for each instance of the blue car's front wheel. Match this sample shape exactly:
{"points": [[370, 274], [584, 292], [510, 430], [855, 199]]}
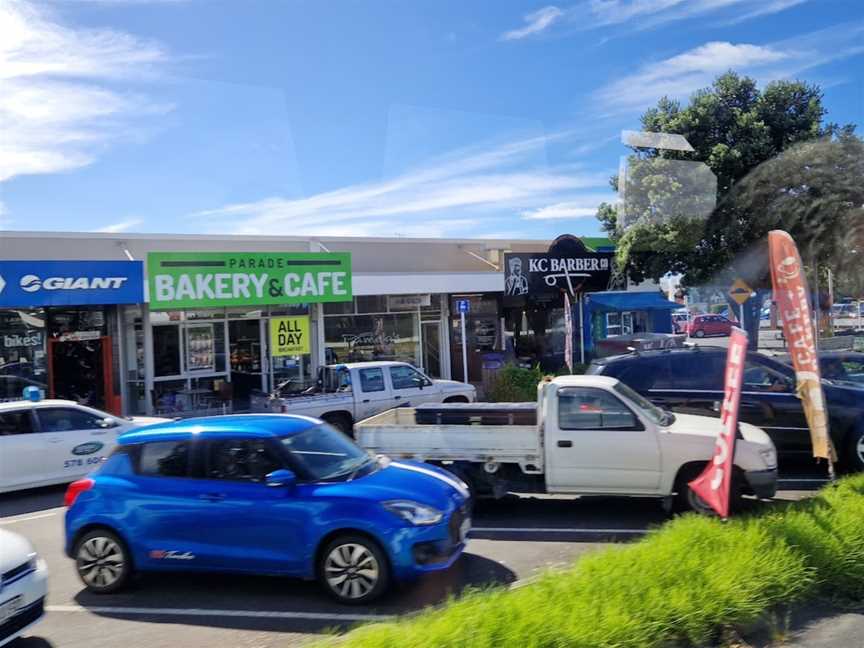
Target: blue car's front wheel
{"points": [[353, 569]]}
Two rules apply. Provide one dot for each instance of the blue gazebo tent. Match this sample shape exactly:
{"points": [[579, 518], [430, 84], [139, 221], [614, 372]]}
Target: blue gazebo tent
{"points": [[650, 309]]}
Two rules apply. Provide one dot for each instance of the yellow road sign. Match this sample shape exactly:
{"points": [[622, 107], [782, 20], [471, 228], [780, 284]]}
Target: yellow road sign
{"points": [[740, 291]]}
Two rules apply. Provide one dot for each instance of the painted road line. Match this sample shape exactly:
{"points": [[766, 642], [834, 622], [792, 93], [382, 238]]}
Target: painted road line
{"points": [[200, 612], [552, 530], [26, 518]]}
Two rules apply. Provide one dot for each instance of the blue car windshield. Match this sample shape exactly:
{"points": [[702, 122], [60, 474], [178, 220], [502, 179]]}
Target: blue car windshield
{"points": [[325, 454]]}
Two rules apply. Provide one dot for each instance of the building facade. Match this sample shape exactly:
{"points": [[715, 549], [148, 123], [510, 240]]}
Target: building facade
{"points": [[176, 325]]}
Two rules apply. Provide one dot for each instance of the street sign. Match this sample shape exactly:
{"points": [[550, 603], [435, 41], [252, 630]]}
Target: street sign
{"points": [[740, 291], [463, 305]]}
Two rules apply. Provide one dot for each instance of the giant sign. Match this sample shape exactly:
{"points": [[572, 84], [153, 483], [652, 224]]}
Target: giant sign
{"points": [[545, 275], [70, 283], [208, 279]]}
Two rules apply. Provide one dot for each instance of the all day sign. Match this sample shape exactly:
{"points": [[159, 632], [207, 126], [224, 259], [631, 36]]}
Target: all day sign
{"points": [[213, 279], [289, 336]]}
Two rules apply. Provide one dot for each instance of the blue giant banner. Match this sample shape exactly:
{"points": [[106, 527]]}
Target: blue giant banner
{"points": [[71, 283]]}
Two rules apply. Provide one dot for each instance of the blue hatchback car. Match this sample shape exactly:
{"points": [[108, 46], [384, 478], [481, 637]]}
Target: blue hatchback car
{"points": [[263, 494]]}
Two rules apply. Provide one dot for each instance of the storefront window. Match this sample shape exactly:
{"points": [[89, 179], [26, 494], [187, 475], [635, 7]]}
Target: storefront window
{"points": [[133, 335], [339, 308], [245, 313], [372, 337], [293, 309], [81, 356], [384, 328], [22, 352], [619, 323], [372, 304], [434, 304], [201, 348], [482, 328], [168, 398], [166, 350]]}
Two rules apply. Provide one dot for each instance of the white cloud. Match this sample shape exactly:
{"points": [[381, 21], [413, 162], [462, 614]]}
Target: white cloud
{"points": [[62, 100], [537, 22], [121, 2], [679, 76], [766, 7], [448, 197], [642, 14], [614, 12], [646, 14], [584, 207], [122, 226]]}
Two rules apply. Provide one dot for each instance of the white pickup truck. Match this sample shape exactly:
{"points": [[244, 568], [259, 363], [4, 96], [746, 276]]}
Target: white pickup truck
{"points": [[346, 393], [593, 435]]}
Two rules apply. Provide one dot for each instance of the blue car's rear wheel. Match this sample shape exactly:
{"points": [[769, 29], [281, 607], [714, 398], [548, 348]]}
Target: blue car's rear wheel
{"points": [[353, 569], [102, 561]]}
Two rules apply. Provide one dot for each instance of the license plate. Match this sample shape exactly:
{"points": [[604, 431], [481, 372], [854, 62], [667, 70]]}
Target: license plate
{"points": [[9, 608], [464, 529]]}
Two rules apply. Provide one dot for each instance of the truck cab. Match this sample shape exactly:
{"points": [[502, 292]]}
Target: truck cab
{"points": [[346, 393]]}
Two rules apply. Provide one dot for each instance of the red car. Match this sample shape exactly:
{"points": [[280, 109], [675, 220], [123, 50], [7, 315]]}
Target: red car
{"points": [[703, 325]]}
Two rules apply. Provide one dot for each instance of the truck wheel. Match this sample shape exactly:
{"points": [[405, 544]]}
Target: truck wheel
{"points": [[456, 399], [341, 422], [353, 569], [103, 561], [687, 500], [855, 450]]}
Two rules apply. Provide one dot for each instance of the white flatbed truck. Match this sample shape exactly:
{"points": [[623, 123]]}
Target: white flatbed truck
{"points": [[593, 435]]}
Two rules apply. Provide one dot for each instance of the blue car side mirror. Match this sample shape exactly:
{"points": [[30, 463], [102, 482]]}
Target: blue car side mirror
{"points": [[282, 477]]}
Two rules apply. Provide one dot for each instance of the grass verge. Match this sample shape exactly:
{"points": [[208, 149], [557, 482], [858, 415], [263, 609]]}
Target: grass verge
{"points": [[681, 585]]}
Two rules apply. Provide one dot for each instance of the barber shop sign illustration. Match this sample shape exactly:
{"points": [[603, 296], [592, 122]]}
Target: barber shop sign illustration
{"points": [[567, 266]]}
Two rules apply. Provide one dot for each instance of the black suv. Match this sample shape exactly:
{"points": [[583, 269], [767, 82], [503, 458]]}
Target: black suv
{"points": [[691, 381]]}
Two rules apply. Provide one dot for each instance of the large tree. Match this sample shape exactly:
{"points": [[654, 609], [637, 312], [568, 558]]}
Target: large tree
{"points": [[777, 166]]}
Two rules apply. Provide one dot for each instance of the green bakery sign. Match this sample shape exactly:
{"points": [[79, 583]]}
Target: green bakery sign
{"points": [[204, 279]]}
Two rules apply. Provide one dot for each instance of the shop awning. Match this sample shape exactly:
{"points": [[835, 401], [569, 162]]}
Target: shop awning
{"points": [[629, 301]]}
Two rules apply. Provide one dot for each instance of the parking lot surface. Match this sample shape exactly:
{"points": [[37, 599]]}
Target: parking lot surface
{"points": [[512, 540]]}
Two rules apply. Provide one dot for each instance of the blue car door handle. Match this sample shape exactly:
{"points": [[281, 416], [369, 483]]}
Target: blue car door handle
{"points": [[212, 497]]}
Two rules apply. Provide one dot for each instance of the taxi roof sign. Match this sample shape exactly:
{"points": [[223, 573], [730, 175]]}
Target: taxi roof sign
{"points": [[740, 291], [32, 393]]}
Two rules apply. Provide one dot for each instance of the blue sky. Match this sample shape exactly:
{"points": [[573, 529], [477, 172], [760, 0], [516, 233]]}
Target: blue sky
{"points": [[485, 118]]}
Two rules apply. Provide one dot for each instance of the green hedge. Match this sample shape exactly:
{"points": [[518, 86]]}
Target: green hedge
{"points": [[685, 583], [514, 384]]}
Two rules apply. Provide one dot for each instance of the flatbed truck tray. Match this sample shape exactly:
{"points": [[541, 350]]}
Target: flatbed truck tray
{"points": [[476, 414]]}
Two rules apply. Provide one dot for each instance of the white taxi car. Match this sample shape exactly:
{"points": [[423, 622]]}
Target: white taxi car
{"points": [[48, 442], [23, 585]]}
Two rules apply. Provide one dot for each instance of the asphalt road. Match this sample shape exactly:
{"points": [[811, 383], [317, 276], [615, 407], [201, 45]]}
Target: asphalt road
{"points": [[512, 540]]}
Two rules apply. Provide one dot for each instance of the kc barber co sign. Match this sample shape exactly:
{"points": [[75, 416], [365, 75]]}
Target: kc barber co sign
{"points": [[544, 275]]}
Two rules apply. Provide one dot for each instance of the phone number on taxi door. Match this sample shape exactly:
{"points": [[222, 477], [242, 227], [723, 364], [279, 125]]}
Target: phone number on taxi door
{"points": [[78, 463]]}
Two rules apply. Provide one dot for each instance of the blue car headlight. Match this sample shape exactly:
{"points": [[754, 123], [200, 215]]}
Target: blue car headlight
{"points": [[414, 512]]}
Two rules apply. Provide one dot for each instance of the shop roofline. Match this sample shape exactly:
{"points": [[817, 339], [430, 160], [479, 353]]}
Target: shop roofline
{"points": [[137, 236]]}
